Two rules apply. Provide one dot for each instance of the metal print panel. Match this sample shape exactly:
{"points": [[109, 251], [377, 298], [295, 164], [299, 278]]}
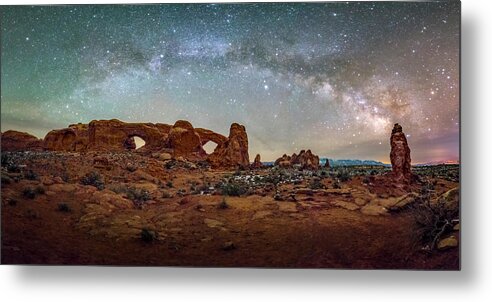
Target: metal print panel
{"points": [[286, 135]]}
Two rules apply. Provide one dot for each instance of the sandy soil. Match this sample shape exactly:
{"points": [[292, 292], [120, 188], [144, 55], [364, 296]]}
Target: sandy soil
{"points": [[325, 228]]}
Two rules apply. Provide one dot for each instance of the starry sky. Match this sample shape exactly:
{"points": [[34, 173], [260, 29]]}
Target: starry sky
{"points": [[330, 77]]}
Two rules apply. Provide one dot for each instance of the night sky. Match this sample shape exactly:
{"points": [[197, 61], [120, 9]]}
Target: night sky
{"points": [[332, 77]]}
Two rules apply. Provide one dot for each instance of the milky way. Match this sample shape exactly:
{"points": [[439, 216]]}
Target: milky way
{"points": [[331, 77]]}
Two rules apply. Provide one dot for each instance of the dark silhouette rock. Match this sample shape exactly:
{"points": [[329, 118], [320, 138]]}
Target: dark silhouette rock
{"points": [[400, 155]]}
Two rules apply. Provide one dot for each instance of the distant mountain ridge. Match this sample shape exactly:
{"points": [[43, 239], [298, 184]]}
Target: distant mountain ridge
{"points": [[351, 162]]}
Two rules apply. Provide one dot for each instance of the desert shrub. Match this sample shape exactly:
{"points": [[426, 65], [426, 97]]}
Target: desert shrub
{"points": [[169, 164], [223, 204], [29, 192], [324, 173], [131, 168], [13, 168], [165, 194], [31, 214], [169, 184], [336, 185], [234, 189], [65, 177], [6, 180], [138, 195], [63, 207], [432, 220], [40, 190], [366, 180], [93, 179], [6, 158], [343, 175], [316, 184], [147, 235], [31, 175]]}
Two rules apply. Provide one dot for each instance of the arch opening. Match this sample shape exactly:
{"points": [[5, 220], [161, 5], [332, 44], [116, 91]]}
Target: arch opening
{"points": [[209, 147], [134, 142]]}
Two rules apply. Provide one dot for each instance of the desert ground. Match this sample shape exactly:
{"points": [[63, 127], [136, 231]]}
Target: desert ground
{"points": [[128, 208]]}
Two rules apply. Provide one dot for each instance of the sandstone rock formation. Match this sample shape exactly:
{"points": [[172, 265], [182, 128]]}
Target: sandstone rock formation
{"points": [[257, 162], [400, 155], [327, 164], [178, 141], [234, 151], [305, 160], [284, 161], [185, 141], [20, 141], [73, 138]]}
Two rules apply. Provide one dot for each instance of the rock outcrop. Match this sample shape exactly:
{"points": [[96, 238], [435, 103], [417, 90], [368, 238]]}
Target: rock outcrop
{"points": [[327, 164], [178, 141], [73, 138], [111, 135], [303, 160], [284, 161], [257, 162], [20, 141], [232, 153], [185, 141], [400, 155]]}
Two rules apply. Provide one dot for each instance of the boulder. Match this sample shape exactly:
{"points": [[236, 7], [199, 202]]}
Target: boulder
{"points": [[400, 155], [450, 199], [448, 242]]}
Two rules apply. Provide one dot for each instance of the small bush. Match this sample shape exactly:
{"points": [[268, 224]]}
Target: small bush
{"points": [[169, 184], [29, 193], [31, 214], [343, 175], [63, 207], [31, 175], [6, 180], [169, 164], [131, 168], [234, 189], [316, 184], [93, 179], [147, 235], [13, 168], [138, 195], [40, 190], [432, 220], [223, 204], [336, 185]]}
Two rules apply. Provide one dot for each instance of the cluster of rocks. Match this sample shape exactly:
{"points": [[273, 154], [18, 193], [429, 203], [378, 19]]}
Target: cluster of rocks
{"points": [[305, 160]]}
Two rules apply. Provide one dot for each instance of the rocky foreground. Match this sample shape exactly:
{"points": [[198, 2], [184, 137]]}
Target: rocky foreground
{"points": [[128, 208]]}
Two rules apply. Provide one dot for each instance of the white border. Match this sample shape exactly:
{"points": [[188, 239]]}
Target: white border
{"points": [[37, 283]]}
